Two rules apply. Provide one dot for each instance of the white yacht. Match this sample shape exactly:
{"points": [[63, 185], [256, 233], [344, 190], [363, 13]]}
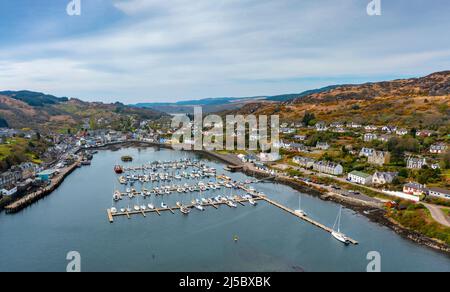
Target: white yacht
{"points": [[299, 211], [163, 205], [338, 235]]}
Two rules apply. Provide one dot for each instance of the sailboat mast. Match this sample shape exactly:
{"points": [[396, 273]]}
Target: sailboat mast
{"points": [[339, 221]]}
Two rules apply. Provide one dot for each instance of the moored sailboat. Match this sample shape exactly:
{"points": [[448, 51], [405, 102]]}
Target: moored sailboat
{"points": [[338, 235]]}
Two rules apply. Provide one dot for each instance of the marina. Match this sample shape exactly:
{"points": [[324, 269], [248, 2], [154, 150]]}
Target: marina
{"points": [[202, 171], [265, 236]]}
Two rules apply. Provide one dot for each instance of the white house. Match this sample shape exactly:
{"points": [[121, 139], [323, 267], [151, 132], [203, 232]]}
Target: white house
{"points": [[382, 178], [9, 192], [269, 157], [322, 146], [416, 163], [321, 127], [366, 152], [415, 189], [359, 178], [305, 162], [438, 148], [368, 137], [440, 193], [371, 128], [328, 167], [401, 132]]}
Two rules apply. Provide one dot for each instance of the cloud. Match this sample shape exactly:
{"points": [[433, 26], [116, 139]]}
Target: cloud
{"points": [[190, 49]]}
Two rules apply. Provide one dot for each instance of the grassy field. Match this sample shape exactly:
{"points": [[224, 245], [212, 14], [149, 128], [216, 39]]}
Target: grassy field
{"points": [[446, 211], [416, 217], [16, 150]]}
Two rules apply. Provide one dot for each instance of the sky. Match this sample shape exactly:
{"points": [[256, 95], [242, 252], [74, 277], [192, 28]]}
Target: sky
{"points": [[170, 50]]}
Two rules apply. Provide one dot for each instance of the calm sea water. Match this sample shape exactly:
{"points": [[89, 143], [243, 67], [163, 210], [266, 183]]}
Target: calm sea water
{"points": [[73, 218]]}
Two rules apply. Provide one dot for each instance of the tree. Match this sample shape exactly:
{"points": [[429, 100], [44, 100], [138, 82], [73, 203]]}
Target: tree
{"points": [[308, 117], [403, 173], [446, 160]]}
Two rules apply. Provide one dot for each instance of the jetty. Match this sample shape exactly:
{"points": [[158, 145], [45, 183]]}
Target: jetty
{"points": [[241, 201], [304, 218], [172, 210]]}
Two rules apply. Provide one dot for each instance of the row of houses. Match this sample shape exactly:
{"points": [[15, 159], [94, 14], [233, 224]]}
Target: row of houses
{"points": [[319, 166], [379, 178], [417, 189], [18, 176]]}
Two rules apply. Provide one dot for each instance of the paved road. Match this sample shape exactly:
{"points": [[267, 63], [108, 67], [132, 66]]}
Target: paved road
{"points": [[438, 215]]}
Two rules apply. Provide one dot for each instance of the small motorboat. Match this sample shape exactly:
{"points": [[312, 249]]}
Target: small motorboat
{"points": [[122, 210], [252, 202], [117, 196], [164, 206], [185, 210], [150, 206], [199, 207], [231, 204], [118, 169], [113, 210], [136, 208]]}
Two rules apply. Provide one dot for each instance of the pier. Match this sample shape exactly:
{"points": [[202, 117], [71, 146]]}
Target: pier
{"points": [[304, 218], [169, 209], [216, 204]]}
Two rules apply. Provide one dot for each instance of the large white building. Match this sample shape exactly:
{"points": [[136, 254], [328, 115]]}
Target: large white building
{"points": [[328, 167], [359, 178]]}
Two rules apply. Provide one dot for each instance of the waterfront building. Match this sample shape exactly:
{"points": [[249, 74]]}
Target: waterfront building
{"points": [[328, 167], [46, 175], [415, 189], [383, 178], [10, 178], [359, 178]]}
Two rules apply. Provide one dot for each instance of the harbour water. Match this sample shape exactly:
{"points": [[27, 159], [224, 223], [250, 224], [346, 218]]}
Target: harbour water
{"points": [[73, 218]]}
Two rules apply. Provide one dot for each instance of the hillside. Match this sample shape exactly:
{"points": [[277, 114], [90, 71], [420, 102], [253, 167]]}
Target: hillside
{"points": [[26, 109], [417, 102]]}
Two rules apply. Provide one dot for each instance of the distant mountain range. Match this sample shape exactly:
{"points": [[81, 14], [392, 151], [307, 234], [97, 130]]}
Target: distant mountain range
{"points": [[417, 102], [28, 109], [218, 104]]}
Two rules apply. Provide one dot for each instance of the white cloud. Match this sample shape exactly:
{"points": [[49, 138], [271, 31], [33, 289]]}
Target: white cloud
{"points": [[202, 48]]}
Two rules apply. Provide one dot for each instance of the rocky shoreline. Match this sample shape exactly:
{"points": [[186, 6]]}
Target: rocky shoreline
{"points": [[359, 207]]}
